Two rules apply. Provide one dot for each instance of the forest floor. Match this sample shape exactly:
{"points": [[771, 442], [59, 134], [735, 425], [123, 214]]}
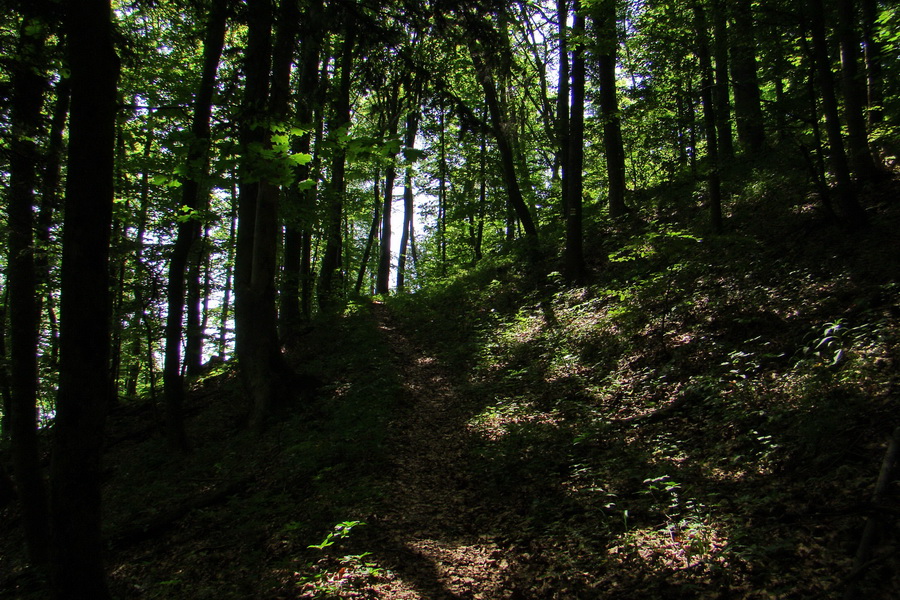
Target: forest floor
{"points": [[705, 418]]}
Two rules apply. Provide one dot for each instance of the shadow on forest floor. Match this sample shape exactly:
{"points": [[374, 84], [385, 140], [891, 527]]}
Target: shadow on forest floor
{"points": [[704, 419]]}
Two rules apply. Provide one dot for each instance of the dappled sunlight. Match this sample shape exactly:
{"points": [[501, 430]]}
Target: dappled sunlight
{"points": [[687, 544], [498, 420]]}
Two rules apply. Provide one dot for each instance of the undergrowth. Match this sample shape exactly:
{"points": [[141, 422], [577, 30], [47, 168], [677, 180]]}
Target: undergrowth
{"points": [[707, 411]]}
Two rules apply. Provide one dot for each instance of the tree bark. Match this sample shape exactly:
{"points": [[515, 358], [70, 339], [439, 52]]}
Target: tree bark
{"points": [[189, 227], [854, 93], [331, 273], [562, 106], [873, 57], [722, 96], [850, 211], [298, 224], [747, 97], [713, 181], [412, 126], [266, 373], [507, 160], [383, 280], [28, 86], [77, 571], [373, 234], [574, 251], [613, 145]]}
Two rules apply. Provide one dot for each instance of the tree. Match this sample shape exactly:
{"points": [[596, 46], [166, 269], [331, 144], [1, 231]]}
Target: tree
{"points": [[713, 180], [722, 95], [574, 183], [294, 304], [501, 134], [747, 97], [331, 273], [28, 91], [266, 373], [77, 571], [608, 43], [406, 238], [853, 92], [189, 221], [851, 212]]}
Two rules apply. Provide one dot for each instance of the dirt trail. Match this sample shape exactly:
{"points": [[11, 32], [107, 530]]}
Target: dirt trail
{"points": [[427, 534]]}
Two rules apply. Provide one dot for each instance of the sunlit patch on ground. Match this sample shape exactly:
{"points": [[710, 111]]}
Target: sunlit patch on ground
{"points": [[496, 421], [687, 544]]}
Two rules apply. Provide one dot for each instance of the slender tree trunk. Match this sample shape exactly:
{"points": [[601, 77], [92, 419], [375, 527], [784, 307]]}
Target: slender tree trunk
{"points": [[293, 308], [310, 226], [77, 571], [189, 227], [383, 280], [747, 97], [229, 270], [609, 107], [412, 127], [50, 200], [851, 212], [854, 93], [442, 193], [709, 118], [134, 367], [507, 159], [818, 169], [562, 107], [373, 233], [873, 57], [28, 87], [331, 274], [722, 96], [482, 200], [574, 253]]}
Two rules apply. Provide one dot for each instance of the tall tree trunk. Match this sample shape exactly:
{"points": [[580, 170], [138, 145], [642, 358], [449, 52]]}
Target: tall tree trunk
{"points": [[562, 106], [134, 368], [574, 252], [28, 87], [851, 212], [714, 186], [5, 392], [257, 63], [507, 159], [854, 93], [77, 571], [229, 270], [613, 145], [873, 57], [265, 370], [298, 224], [442, 192], [482, 200], [373, 234], [383, 280], [412, 127], [722, 96], [50, 202], [192, 187], [747, 97], [330, 272]]}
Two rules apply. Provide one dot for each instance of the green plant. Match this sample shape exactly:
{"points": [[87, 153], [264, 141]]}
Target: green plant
{"points": [[340, 531]]}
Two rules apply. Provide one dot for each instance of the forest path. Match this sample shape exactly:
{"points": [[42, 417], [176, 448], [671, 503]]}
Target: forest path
{"points": [[427, 535]]}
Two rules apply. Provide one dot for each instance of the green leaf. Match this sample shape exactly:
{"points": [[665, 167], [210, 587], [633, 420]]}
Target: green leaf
{"points": [[301, 158]]}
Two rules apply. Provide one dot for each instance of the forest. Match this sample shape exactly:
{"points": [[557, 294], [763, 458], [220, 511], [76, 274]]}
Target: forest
{"points": [[449, 299]]}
